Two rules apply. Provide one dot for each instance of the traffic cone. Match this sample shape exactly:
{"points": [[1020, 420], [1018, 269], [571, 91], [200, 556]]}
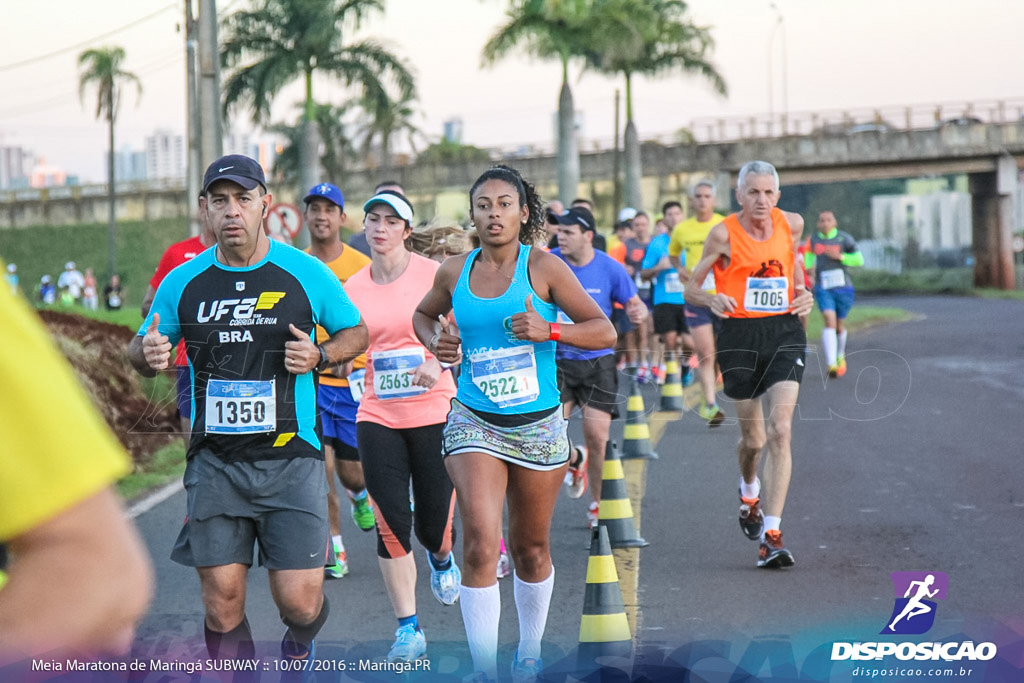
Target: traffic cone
{"points": [[615, 511], [604, 629], [672, 389], [636, 436]]}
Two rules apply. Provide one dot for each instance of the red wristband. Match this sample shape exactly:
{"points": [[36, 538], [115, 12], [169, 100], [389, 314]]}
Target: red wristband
{"points": [[554, 331]]}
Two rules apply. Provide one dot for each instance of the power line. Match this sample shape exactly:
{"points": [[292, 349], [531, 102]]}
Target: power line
{"points": [[33, 60], [62, 100]]}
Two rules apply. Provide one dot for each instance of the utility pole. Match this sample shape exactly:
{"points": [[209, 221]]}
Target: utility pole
{"points": [[211, 134], [616, 182], [194, 165]]}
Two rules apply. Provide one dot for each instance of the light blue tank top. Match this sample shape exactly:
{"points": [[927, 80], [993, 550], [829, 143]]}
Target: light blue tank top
{"points": [[502, 374]]}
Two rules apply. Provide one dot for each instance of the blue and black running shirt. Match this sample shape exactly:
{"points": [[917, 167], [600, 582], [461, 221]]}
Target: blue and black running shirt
{"points": [[245, 404]]}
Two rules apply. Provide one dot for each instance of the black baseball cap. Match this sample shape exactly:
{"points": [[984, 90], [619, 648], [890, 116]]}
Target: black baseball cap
{"points": [[237, 168], [577, 215]]}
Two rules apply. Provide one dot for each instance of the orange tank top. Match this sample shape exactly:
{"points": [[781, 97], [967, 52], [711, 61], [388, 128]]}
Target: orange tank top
{"points": [[760, 273]]}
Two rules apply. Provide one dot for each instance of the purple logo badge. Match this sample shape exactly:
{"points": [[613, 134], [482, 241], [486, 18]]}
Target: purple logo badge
{"points": [[915, 596]]}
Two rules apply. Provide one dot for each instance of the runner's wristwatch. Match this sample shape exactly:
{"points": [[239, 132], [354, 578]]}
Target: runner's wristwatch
{"points": [[325, 361]]}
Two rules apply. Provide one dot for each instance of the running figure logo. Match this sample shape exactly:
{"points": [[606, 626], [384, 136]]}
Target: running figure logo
{"points": [[915, 592]]}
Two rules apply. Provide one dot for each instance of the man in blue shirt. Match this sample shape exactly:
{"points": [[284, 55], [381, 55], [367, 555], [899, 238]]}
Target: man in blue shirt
{"points": [[589, 378], [667, 294]]}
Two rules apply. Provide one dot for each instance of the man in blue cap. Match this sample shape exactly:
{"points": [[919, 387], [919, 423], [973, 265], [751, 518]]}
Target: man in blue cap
{"points": [[340, 386], [248, 310]]}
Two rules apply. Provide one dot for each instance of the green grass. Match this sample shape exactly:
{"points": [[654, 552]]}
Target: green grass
{"points": [[167, 464], [126, 317], [1014, 294], [920, 281], [43, 249], [860, 318]]}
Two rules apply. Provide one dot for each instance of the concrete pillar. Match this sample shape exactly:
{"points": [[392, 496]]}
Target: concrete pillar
{"points": [[992, 216]]}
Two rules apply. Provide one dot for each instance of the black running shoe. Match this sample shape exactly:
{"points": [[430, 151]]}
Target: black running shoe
{"points": [[772, 554], [751, 519]]}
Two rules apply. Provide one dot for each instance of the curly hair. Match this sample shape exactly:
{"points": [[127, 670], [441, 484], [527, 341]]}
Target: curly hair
{"points": [[532, 232], [439, 239]]}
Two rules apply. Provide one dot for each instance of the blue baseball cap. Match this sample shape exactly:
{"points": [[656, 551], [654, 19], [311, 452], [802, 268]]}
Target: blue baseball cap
{"points": [[326, 191], [237, 168]]}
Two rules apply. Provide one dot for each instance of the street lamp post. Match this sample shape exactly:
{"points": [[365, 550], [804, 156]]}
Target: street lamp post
{"points": [[778, 27]]}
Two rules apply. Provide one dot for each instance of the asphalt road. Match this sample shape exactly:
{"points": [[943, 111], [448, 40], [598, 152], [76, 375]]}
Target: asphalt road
{"points": [[909, 463]]}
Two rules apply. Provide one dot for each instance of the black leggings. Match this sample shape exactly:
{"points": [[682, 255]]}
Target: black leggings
{"points": [[393, 457]]}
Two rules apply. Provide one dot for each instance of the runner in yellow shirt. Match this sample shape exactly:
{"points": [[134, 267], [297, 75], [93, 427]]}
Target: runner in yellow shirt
{"points": [[684, 251], [56, 503]]}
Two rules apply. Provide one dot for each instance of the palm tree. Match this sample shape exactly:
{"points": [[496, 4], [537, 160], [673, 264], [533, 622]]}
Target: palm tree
{"points": [[654, 38], [387, 118], [284, 40], [336, 153], [549, 28], [102, 67]]}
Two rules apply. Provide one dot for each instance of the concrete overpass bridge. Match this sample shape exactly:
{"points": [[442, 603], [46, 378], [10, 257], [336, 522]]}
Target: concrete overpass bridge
{"points": [[985, 143]]}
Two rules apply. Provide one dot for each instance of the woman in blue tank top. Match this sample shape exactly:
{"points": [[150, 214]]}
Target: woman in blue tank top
{"points": [[505, 435]]}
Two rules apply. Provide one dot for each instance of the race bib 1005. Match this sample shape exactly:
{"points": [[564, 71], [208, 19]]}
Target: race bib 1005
{"points": [[767, 295]]}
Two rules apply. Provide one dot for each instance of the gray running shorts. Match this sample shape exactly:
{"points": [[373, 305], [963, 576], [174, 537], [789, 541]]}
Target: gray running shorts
{"points": [[279, 504]]}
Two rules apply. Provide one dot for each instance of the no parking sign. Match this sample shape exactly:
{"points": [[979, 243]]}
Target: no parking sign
{"points": [[284, 222]]}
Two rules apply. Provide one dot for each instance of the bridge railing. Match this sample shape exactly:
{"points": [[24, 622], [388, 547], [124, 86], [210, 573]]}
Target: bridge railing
{"points": [[835, 122]]}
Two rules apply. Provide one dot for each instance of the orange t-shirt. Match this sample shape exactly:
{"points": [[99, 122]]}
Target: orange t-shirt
{"points": [[618, 252], [760, 273]]}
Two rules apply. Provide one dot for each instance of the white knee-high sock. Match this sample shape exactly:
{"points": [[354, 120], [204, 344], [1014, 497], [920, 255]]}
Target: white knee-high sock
{"points": [[828, 342], [841, 344], [481, 611], [532, 602]]}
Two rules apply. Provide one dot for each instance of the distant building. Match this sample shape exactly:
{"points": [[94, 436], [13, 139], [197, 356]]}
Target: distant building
{"points": [[453, 130], [935, 221], [166, 155], [46, 175], [15, 165], [262, 149], [129, 164]]}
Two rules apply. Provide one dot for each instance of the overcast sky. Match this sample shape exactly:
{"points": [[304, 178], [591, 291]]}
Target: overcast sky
{"points": [[837, 55]]}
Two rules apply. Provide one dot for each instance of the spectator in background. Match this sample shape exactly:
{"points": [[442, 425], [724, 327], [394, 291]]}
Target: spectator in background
{"points": [[113, 293], [72, 279], [90, 295], [47, 292], [12, 278]]}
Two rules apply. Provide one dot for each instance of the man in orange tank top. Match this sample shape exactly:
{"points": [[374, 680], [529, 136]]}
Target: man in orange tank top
{"points": [[761, 297]]}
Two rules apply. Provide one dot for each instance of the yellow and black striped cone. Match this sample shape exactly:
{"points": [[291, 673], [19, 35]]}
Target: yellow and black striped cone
{"points": [[672, 389], [615, 511], [636, 435], [604, 629]]}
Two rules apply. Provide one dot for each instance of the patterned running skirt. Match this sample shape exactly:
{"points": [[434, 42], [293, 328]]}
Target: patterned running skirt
{"points": [[540, 445]]}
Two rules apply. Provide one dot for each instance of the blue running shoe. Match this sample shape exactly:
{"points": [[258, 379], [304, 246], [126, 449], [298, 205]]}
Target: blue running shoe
{"points": [[445, 583], [526, 670], [410, 644]]}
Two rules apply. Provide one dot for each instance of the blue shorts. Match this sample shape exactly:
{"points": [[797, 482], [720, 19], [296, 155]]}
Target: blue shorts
{"points": [[621, 321], [699, 315], [839, 300], [337, 413]]}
